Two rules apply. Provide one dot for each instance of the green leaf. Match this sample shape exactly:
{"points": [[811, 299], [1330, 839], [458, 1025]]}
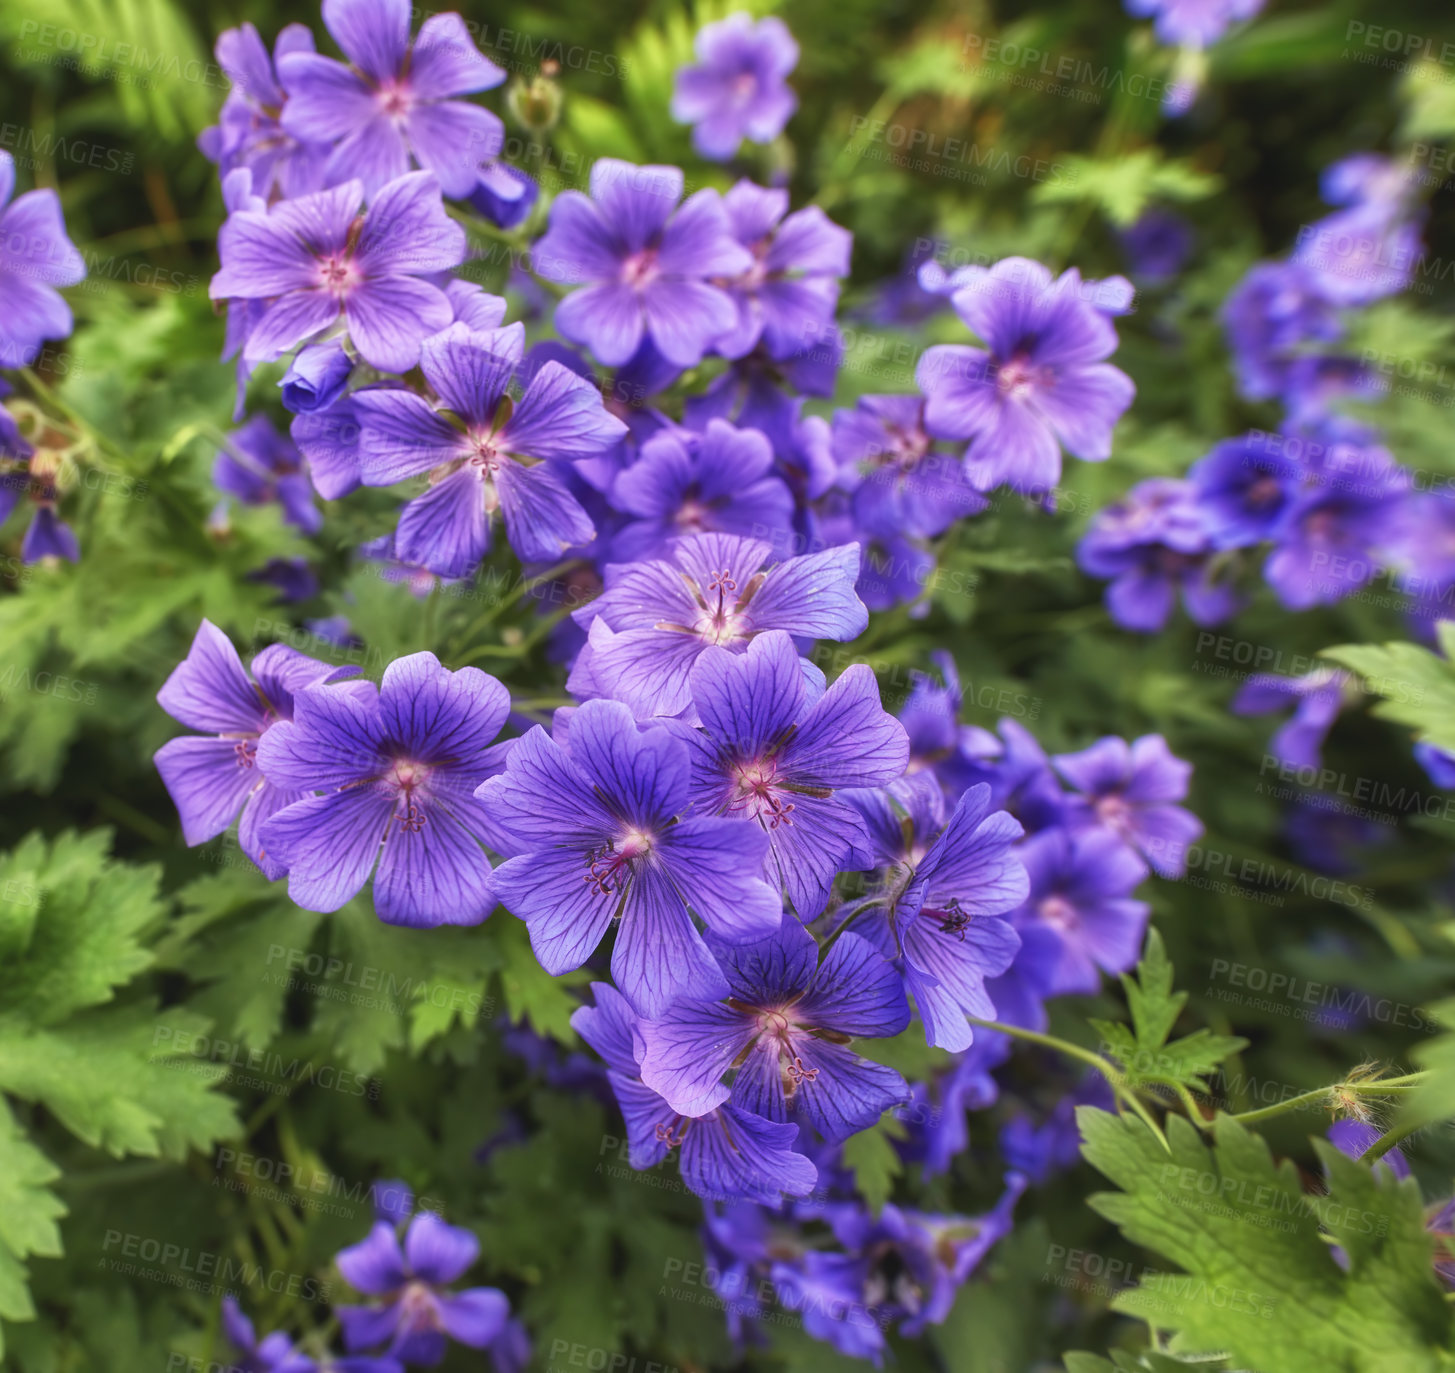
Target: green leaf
{"points": [[1142, 1051], [872, 1158], [1257, 1278], [1123, 186], [531, 993], [1418, 686], [28, 1214]]}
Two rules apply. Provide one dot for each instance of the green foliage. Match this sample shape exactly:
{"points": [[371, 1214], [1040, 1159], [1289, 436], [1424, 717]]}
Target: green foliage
{"points": [[1256, 1276], [72, 923], [1417, 685], [1142, 1049]]}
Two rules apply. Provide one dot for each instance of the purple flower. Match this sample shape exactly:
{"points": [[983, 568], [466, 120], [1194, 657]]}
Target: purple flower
{"points": [[329, 441], [655, 619], [392, 103], [1329, 545], [1317, 698], [726, 1154], [785, 1030], [316, 377], [901, 483], [272, 1354], [789, 293], [505, 195], [597, 819], [936, 1114], [1152, 544], [249, 132], [772, 755], [1015, 767], [211, 779], [938, 912], [35, 258], [397, 768], [685, 484], [1192, 23], [1352, 1137], [1157, 245], [739, 88], [260, 466], [648, 267], [1128, 790], [938, 743], [484, 452], [1360, 255], [1079, 893], [1439, 766], [1275, 309], [418, 1312], [1041, 1151], [1040, 384], [1244, 488], [319, 262]]}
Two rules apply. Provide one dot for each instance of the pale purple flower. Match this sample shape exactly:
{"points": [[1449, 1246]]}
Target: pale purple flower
{"points": [[647, 268], [35, 258], [319, 262], [392, 102], [1040, 384], [739, 88]]}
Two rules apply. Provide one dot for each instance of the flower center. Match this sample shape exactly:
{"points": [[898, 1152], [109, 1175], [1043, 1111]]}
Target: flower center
{"points": [[640, 269], [1059, 913], [1017, 377], [247, 752], [1113, 812], [418, 1309], [745, 85], [338, 275], [757, 793], [610, 867], [1263, 492], [395, 99]]}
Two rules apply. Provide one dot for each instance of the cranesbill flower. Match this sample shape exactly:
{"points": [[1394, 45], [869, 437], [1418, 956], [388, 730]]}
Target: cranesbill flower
{"points": [[35, 258], [1129, 790], [1274, 310], [785, 1031], [771, 755], [1359, 255], [397, 768], [1317, 698], [935, 1116], [1012, 763], [1153, 543], [316, 377], [274, 1353], [1040, 384], [318, 261], [418, 1311], [1329, 545], [648, 268], [792, 288], [938, 912], [1193, 23], [249, 132], [211, 779], [485, 452], [1244, 488], [684, 484], [655, 619], [1080, 891], [260, 466], [739, 88], [726, 1154], [901, 482], [1157, 245], [597, 820], [392, 102]]}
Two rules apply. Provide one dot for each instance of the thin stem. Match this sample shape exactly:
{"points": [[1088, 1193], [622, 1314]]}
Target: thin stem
{"points": [[1326, 1095], [1386, 1142]]}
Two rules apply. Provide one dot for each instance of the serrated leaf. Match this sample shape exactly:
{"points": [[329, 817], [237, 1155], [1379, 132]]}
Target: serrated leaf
{"points": [[1418, 686], [872, 1158], [1258, 1278], [29, 1211]]}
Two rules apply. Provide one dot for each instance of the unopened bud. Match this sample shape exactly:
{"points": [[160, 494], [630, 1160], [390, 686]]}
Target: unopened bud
{"points": [[536, 104]]}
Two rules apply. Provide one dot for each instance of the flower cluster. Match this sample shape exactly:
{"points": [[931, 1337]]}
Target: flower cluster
{"points": [[407, 1263], [1323, 498], [36, 256]]}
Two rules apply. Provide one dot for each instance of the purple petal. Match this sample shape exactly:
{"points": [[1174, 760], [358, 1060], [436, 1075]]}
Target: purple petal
{"points": [[566, 916], [447, 529], [813, 596], [474, 1317], [437, 1252], [446, 61], [374, 1265], [436, 874], [688, 1051], [659, 956], [407, 230], [206, 784], [329, 844], [208, 690], [374, 34], [856, 991], [390, 317], [714, 864], [436, 714], [737, 1156], [331, 741], [452, 138], [609, 319], [542, 518]]}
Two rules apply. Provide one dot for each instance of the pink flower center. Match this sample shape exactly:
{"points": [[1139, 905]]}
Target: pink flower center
{"points": [[395, 98], [757, 793], [407, 778], [1114, 813], [1018, 377], [418, 1308], [338, 274], [640, 269], [1058, 912], [745, 85], [610, 867]]}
